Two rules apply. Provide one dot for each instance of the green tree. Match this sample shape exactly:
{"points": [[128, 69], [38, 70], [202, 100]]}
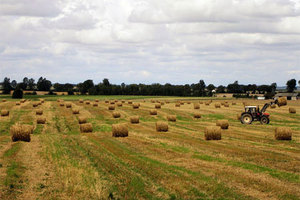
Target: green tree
{"points": [[291, 85], [6, 86]]}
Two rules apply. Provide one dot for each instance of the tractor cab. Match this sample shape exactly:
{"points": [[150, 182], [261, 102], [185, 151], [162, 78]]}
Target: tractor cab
{"points": [[251, 109]]}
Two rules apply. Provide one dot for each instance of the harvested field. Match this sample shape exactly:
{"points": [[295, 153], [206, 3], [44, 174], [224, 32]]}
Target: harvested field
{"points": [[62, 161]]}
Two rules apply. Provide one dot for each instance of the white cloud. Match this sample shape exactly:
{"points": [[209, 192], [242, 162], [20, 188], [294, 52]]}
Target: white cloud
{"points": [[151, 40]]}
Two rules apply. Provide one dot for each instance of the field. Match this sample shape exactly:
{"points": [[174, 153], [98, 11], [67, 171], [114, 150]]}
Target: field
{"points": [[62, 163]]}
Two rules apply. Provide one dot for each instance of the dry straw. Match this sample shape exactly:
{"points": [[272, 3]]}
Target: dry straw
{"points": [[217, 105], [116, 114], [39, 112], [97, 100], [119, 130], [62, 104], [86, 128], [129, 102], [3, 100], [81, 120], [75, 111], [292, 110], [20, 133], [18, 103], [223, 124], [87, 102], [196, 106], [123, 101], [157, 106], [233, 103], [197, 115], [281, 101], [112, 102], [171, 118], [207, 103], [177, 104], [34, 105], [106, 101], [68, 105], [41, 120], [135, 105], [238, 116], [226, 104], [273, 106], [283, 133], [162, 126], [29, 127], [134, 119], [4, 113], [119, 104], [153, 112], [212, 133], [162, 103], [152, 101], [111, 107], [95, 104]]}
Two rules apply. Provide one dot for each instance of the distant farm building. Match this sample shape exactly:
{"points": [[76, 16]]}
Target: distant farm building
{"points": [[289, 96]]}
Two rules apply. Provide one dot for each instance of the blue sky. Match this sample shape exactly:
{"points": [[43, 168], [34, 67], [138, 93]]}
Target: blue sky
{"points": [[150, 41]]}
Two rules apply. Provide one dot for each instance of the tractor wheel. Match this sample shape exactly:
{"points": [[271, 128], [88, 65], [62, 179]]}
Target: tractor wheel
{"points": [[264, 120], [246, 118]]}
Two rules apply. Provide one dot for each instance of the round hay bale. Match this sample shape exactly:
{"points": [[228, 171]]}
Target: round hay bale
{"points": [[68, 105], [39, 112], [281, 101], [106, 101], [87, 102], [292, 110], [116, 114], [18, 103], [233, 103], [97, 100], [283, 133], [39, 103], [135, 119], [42, 101], [116, 101], [86, 128], [152, 101], [212, 133], [197, 115], [4, 113], [273, 106], [41, 120], [111, 107], [119, 104], [34, 105], [217, 105], [75, 111], [162, 126], [181, 103], [207, 103], [23, 100], [177, 104], [200, 102], [112, 103], [119, 130], [123, 101], [223, 124], [196, 106], [81, 101], [226, 104], [129, 102], [157, 106], [188, 102], [135, 105], [82, 120], [62, 104], [20, 133], [171, 118], [162, 103], [95, 104], [167, 102], [222, 103], [3, 100], [153, 112]]}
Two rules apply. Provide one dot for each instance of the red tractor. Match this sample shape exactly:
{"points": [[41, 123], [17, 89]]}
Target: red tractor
{"points": [[252, 113]]}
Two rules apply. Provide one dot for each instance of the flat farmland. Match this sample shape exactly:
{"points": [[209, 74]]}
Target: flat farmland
{"points": [[61, 163]]}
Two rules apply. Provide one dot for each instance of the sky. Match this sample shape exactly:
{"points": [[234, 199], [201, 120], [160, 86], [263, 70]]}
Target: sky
{"points": [[151, 41]]}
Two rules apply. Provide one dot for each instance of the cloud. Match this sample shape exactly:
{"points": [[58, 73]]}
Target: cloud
{"points": [[175, 41]]}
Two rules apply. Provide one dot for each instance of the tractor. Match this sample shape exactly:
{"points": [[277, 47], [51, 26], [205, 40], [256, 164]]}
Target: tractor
{"points": [[252, 113]]}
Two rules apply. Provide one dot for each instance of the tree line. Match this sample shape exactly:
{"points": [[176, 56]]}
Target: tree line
{"points": [[199, 89]]}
